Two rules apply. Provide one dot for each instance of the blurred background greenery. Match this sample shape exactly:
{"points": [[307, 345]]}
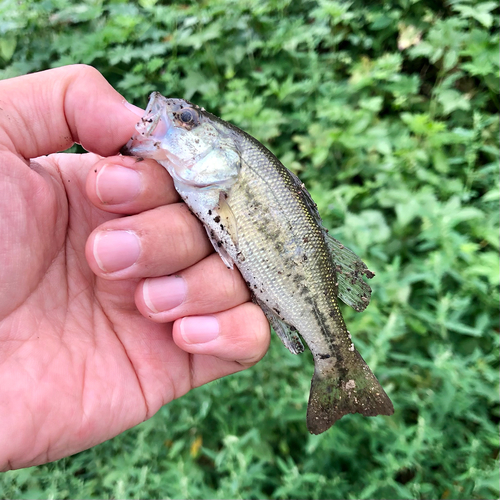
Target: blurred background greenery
{"points": [[388, 112]]}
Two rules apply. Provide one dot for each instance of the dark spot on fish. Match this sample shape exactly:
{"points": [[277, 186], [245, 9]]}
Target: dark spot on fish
{"points": [[222, 227], [255, 286], [219, 244], [305, 239], [324, 356], [304, 257], [369, 274], [217, 219], [95, 170], [210, 212]]}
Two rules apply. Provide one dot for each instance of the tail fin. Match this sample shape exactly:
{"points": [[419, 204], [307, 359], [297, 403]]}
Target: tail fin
{"points": [[355, 391]]}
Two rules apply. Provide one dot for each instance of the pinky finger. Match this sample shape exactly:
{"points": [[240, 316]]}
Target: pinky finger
{"points": [[223, 343]]}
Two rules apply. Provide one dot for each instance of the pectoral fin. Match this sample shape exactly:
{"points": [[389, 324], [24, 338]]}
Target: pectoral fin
{"points": [[228, 220]]}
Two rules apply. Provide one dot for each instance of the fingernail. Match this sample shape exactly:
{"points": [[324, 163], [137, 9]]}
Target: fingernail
{"points": [[135, 109], [165, 293], [116, 250], [199, 329], [116, 184]]}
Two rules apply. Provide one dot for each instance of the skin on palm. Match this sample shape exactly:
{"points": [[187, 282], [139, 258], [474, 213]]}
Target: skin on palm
{"points": [[81, 358]]}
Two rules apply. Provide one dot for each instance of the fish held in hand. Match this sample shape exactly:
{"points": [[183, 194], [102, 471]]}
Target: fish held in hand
{"points": [[261, 219]]}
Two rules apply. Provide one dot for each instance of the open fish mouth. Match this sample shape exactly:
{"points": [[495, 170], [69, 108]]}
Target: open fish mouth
{"points": [[151, 128]]}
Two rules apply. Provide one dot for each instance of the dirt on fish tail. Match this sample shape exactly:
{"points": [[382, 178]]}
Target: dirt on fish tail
{"points": [[333, 396]]}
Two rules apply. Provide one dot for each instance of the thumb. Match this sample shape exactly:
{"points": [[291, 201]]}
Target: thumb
{"points": [[47, 112]]}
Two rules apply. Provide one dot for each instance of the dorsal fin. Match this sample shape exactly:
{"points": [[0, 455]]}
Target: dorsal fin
{"points": [[352, 288]]}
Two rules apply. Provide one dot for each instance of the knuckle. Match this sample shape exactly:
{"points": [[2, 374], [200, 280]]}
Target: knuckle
{"points": [[86, 72]]}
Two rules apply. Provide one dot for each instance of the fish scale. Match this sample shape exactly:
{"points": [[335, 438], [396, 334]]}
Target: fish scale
{"points": [[260, 218]]}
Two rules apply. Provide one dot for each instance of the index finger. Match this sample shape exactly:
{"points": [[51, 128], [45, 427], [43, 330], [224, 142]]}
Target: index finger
{"points": [[47, 112]]}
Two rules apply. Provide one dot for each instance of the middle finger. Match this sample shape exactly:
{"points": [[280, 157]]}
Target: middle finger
{"points": [[153, 243]]}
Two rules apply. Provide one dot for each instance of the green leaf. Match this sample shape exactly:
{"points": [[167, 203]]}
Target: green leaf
{"points": [[479, 12], [7, 47]]}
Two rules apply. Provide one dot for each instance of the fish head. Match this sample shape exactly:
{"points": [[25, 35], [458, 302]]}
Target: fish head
{"points": [[187, 140]]}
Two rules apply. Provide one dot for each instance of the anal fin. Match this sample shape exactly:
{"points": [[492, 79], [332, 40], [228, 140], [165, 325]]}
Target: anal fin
{"points": [[288, 334]]}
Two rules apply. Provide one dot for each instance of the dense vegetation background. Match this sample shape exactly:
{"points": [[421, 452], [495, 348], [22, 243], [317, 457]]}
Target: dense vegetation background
{"points": [[388, 112]]}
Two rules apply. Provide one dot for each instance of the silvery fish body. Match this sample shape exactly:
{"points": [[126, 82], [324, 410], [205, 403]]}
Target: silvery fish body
{"points": [[259, 217]]}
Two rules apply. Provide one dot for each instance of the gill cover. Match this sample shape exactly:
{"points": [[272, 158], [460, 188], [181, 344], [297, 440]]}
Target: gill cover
{"points": [[185, 140]]}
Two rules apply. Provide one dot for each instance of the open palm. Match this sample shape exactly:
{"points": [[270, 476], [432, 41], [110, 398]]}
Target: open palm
{"points": [[99, 313]]}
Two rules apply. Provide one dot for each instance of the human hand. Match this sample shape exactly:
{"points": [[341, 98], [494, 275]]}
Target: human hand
{"points": [[81, 360]]}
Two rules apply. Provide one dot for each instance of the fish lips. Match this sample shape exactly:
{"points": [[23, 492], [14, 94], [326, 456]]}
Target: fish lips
{"points": [[150, 129], [138, 147]]}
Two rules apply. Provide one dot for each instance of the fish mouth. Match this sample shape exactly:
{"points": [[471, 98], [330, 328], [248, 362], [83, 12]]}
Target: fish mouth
{"points": [[153, 126]]}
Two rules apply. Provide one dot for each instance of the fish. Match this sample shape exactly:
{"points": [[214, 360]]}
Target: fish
{"points": [[261, 219]]}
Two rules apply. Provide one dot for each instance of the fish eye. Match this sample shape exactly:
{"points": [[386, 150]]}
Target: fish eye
{"points": [[186, 116]]}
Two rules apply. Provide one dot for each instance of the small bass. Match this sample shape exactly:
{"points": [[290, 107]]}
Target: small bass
{"points": [[261, 219]]}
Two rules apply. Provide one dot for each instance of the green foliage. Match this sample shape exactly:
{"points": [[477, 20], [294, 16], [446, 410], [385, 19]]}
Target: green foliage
{"points": [[388, 112]]}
